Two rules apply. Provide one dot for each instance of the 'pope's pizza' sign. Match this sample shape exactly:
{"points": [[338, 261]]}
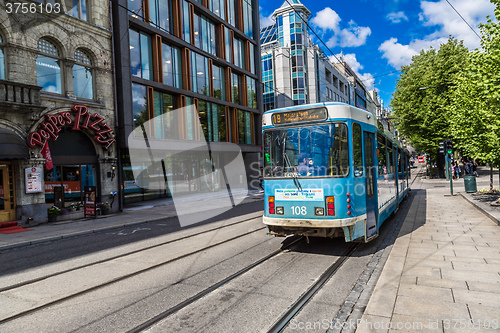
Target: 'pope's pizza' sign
{"points": [[82, 120]]}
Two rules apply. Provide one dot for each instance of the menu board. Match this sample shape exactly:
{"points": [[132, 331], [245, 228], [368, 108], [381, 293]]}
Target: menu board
{"points": [[90, 192], [33, 180]]}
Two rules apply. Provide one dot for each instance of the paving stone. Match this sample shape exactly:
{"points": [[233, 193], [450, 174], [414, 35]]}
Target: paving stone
{"points": [[422, 307], [443, 294], [468, 275], [373, 324], [484, 267], [440, 283], [484, 286], [476, 297]]}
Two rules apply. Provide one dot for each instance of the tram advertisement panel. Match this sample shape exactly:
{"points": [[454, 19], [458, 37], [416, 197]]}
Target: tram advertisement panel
{"points": [[303, 195]]}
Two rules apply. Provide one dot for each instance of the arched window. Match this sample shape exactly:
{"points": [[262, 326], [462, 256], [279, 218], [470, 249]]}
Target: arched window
{"points": [[2, 60], [48, 67], [83, 84]]}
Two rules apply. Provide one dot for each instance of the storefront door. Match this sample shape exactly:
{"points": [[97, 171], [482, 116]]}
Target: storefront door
{"points": [[6, 195]]}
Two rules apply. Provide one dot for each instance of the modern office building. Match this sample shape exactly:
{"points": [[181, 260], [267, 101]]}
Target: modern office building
{"points": [[175, 53], [56, 88], [296, 71]]}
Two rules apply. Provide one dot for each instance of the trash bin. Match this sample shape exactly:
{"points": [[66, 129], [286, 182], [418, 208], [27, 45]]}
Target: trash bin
{"points": [[470, 184]]}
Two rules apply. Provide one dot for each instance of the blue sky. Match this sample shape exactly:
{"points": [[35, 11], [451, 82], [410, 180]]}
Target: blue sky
{"points": [[378, 37]]}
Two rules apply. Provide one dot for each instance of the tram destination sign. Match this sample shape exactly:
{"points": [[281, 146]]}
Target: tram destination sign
{"points": [[299, 116]]}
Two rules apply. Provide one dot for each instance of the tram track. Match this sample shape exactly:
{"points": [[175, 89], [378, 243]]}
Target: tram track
{"points": [[125, 276], [176, 308], [122, 255], [297, 306]]}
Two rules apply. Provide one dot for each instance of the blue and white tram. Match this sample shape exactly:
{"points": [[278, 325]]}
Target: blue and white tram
{"points": [[330, 169]]}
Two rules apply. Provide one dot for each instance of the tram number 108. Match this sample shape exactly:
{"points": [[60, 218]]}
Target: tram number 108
{"points": [[299, 210]]}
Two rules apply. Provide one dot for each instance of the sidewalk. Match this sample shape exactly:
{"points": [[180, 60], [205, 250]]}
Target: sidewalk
{"points": [[137, 213], [443, 273]]}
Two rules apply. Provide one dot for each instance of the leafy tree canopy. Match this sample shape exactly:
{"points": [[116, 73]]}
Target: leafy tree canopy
{"points": [[423, 93]]}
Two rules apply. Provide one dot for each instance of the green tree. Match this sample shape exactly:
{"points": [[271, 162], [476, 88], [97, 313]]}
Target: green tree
{"points": [[475, 102], [423, 93]]}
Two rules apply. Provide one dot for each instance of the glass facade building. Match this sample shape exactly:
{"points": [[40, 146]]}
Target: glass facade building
{"points": [[186, 52]]}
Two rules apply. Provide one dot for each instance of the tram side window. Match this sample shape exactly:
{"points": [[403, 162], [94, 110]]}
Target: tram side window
{"points": [[338, 158], [390, 157], [357, 150], [400, 161], [382, 159]]}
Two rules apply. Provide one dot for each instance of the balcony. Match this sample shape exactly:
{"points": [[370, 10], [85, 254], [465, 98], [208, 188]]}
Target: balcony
{"points": [[19, 97]]}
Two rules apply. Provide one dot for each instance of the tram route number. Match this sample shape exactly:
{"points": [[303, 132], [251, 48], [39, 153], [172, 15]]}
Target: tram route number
{"points": [[299, 210]]}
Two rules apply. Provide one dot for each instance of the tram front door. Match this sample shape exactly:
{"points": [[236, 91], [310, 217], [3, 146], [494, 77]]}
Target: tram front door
{"points": [[371, 198]]}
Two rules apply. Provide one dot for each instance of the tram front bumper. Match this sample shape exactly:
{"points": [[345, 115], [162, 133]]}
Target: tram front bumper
{"points": [[309, 223]]}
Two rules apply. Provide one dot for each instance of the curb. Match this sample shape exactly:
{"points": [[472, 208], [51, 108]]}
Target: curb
{"points": [[484, 211], [78, 233]]}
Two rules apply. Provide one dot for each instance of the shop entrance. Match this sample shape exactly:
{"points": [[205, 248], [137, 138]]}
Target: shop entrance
{"points": [[7, 198], [75, 166], [64, 183]]}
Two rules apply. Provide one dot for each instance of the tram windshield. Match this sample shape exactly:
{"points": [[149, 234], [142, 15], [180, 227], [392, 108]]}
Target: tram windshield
{"points": [[306, 151]]}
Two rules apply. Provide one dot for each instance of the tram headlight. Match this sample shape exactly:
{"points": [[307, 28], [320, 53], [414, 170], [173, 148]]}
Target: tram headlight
{"points": [[319, 211]]}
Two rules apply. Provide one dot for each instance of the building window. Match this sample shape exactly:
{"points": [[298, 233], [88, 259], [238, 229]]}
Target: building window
{"points": [[245, 127], [235, 88], [79, 9], [231, 12], [199, 74], [186, 32], [227, 37], [141, 61], [172, 71], [159, 14], [218, 83], [83, 81], [135, 6], [162, 104], [251, 93], [139, 104], [247, 18], [48, 69], [205, 35], [218, 8], [213, 121], [239, 53], [252, 58], [2, 60]]}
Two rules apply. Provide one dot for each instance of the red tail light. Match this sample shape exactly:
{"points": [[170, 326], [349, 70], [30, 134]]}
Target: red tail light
{"points": [[330, 206], [270, 201]]}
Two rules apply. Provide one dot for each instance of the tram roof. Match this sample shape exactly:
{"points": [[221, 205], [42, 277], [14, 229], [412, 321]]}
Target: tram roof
{"points": [[341, 111]]}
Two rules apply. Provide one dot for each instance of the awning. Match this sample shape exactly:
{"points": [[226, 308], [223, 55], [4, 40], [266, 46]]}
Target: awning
{"points": [[12, 147]]}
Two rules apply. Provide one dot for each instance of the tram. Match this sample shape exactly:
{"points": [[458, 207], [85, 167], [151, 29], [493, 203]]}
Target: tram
{"points": [[330, 170]]}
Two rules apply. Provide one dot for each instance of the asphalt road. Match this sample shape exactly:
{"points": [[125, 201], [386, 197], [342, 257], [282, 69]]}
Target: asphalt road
{"points": [[116, 280]]}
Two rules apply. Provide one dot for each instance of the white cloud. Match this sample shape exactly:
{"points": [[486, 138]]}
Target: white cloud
{"points": [[354, 36], [265, 20], [396, 17], [447, 22], [326, 19], [329, 21]]}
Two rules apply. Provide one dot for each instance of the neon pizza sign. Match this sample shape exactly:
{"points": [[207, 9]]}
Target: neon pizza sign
{"points": [[82, 120]]}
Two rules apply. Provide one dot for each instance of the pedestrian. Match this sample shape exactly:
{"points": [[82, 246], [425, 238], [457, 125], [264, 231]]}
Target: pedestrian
{"points": [[457, 170], [467, 169], [453, 170], [474, 169]]}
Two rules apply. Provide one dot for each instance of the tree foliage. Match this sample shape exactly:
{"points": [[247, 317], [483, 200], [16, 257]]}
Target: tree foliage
{"points": [[475, 103], [423, 94]]}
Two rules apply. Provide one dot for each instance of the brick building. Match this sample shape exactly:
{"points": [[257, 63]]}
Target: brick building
{"points": [[56, 86]]}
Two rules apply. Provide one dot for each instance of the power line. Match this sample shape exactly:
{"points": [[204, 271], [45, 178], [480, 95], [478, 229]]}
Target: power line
{"points": [[464, 19]]}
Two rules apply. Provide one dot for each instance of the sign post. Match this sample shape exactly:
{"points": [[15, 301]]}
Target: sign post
{"points": [[33, 180], [90, 194]]}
